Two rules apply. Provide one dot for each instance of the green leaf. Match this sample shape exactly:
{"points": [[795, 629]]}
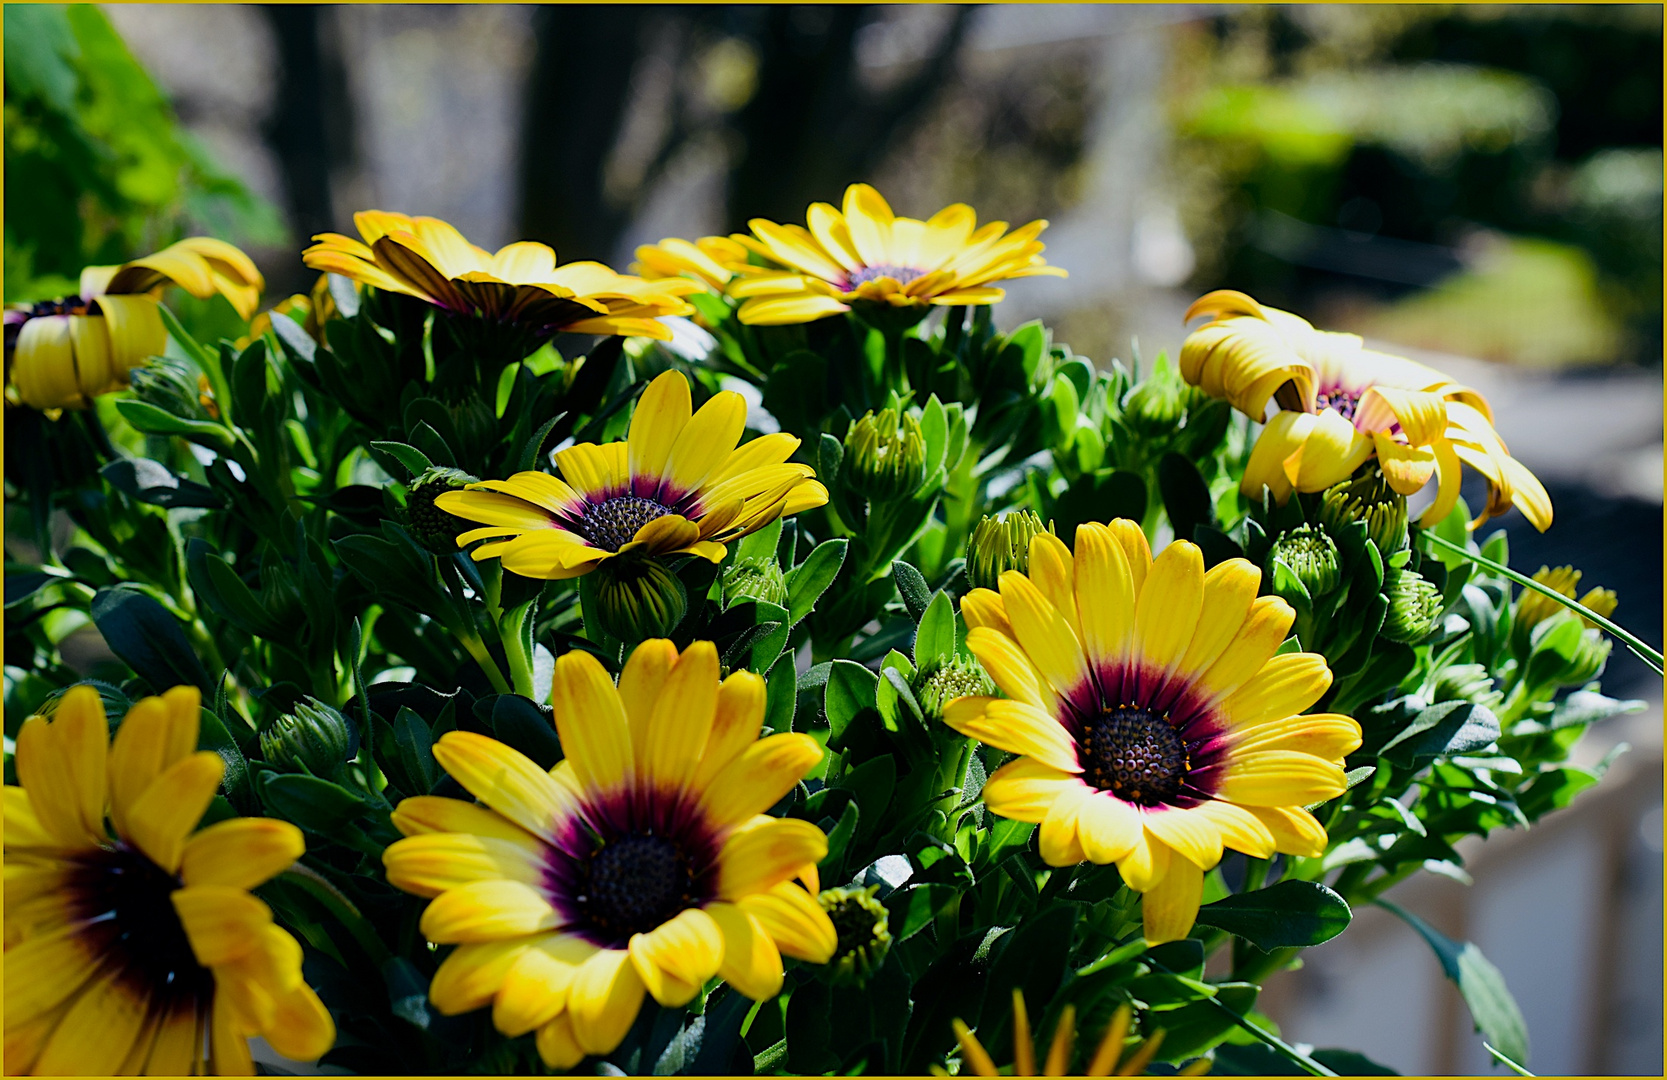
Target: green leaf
{"points": [[1492, 1008], [912, 909], [912, 587], [1290, 914], [212, 735], [154, 483], [413, 460], [761, 544], [1448, 727], [850, 690], [781, 695], [1186, 497], [1098, 497], [521, 724], [1034, 961], [148, 638], [415, 744], [40, 49], [935, 640], [1588, 707], [314, 804], [152, 420], [810, 579]]}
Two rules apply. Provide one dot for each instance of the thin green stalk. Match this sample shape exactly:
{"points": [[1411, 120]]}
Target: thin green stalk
{"points": [[1273, 1042], [1644, 652], [319, 888]]}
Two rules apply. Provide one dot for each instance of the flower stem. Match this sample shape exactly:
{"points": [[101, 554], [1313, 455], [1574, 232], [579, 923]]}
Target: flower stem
{"points": [[1650, 656]]}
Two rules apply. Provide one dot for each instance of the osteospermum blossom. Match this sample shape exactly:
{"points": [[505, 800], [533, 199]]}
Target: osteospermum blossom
{"points": [[709, 260], [63, 353], [642, 863], [521, 283], [865, 253], [677, 483], [141, 950], [1154, 721], [1341, 404]]}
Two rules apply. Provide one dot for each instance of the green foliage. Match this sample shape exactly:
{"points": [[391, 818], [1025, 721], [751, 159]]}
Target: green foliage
{"points": [[98, 169]]}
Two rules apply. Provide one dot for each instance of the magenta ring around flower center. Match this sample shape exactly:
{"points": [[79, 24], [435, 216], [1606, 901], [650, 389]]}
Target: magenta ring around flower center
{"points": [[628, 862]]}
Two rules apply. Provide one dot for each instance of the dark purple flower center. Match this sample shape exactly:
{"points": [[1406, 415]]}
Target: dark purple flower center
{"points": [[613, 523], [632, 884], [862, 275], [1134, 753], [1343, 402], [125, 903]]}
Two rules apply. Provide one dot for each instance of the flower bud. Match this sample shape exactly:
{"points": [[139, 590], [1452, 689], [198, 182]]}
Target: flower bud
{"points": [[169, 386], [754, 579], [638, 598], [1414, 607], [1465, 682], [429, 525], [1534, 608], [1310, 555], [885, 456], [860, 920], [937, 686], [998, 545], [1156, 406], [1368, 498], [313, 737]]}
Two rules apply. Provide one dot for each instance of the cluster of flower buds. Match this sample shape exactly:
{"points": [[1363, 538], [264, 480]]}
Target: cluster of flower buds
{"points": [[757, 578], [1000, 544], [638, 599], [861, 922], [312, 736], [885, 456]]}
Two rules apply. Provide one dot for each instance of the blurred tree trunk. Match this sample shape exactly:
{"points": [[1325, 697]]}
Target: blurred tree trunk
{"points": [[812, 127], [577, 96], [311, 128]]}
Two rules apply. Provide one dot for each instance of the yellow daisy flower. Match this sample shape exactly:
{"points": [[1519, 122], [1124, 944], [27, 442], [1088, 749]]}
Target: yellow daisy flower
{"points": [[678, 483], [142, 951], [867, 254], [710, 260], [1105, 1061], [1154, 721], [60, 354], [429, 259], [643, 863], [1342, 404]]}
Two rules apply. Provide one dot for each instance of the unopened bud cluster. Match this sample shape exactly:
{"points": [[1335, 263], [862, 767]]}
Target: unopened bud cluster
{"points": [[1311, 557], [885, 456], [861, 922], [313, 737], [998, 545], [759, 578], [638, 598], [1368, 498]]}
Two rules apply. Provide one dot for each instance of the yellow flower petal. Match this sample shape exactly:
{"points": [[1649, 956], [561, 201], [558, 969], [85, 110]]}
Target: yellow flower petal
{"points": [[678, 956], [424, 814], [1146, 864], [534, 989], [735, 726], [1229, 590], [1107, 827], [757, 778], [751, 961], [707, 441], [1025, 789], [1166, 615], [43, 971], [794, 921], [1240, 827], [1280, 778], [557, 1045], [765, 853], [62, 764], [223, 923], [1045, 635], [1105, 597], [662, 413], [505, 779], [429, 865], [156, 733], [240, 853], [1295, 830], [1170, 907], [1186, 832], [1015, 727], [640, 684], [603, 1000], [1263, 631], [1057, 837], [98, 1032], [682, 717], [472, 974], [170, 808], [1327, 735], [484, 910], [1286, 685]]}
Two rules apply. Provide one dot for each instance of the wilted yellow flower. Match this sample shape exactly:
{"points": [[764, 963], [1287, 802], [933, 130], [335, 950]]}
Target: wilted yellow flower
{"points": [[1341, 404], [63, 353]]}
